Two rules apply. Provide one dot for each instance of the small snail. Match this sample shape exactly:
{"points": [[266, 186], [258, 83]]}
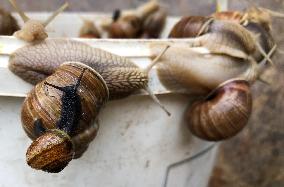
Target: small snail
{"points": [[129, 24], [34, 30], [223, 113], [89, 30], [8, 24], [154, 24], [58, 114]]}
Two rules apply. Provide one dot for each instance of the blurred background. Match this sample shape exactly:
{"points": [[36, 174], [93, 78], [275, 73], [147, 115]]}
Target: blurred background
{"points": [[256, 156]]}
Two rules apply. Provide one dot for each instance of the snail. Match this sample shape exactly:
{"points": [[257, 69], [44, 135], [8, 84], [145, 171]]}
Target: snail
{"points": [[34, 30], [220, 37], [58, 115], [154, 24], [34, 62], [223, 113], [89, 30], [259, 15], [129, 24], [8, 24], [229, 54], [257, 20]]}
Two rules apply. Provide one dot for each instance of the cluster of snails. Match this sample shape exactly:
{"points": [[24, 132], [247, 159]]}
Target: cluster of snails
{"points": [[224, 75], [73, 80], [147, 21]]}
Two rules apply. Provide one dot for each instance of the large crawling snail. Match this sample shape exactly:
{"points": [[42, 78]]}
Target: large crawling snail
{"points": [[59, 114], [34, 62], [225, 71], [34, 30]]}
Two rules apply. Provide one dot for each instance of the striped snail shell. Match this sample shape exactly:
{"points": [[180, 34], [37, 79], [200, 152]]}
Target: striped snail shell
{"points": [[223, 113], [154, 24], [89, 30], [128, 26], [59, 114], [189, 27]]}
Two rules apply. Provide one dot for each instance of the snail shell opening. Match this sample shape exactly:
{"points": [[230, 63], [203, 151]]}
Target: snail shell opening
{"points": [[223, 113]]}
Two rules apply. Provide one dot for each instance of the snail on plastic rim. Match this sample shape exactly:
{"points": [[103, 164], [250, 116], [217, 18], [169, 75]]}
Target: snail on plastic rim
{"points": [[58, 114], [34, 62]]}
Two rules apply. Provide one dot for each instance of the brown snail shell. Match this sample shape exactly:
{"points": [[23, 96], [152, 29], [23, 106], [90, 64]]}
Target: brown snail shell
{"points": [[129, 24], [189, 27], [8, 24], [51, 151], [89, 30], [154, 24], [223, 113], [127, 27]]}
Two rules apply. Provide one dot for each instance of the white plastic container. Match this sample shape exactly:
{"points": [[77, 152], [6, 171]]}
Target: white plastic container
{"points": [[137, 144]]}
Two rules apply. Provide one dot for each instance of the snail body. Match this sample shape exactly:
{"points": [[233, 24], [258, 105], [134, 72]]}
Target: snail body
{"points": [[8, 24], [35, 62], [223, 113], [184, 70], [34, 30], [58, 114]]}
